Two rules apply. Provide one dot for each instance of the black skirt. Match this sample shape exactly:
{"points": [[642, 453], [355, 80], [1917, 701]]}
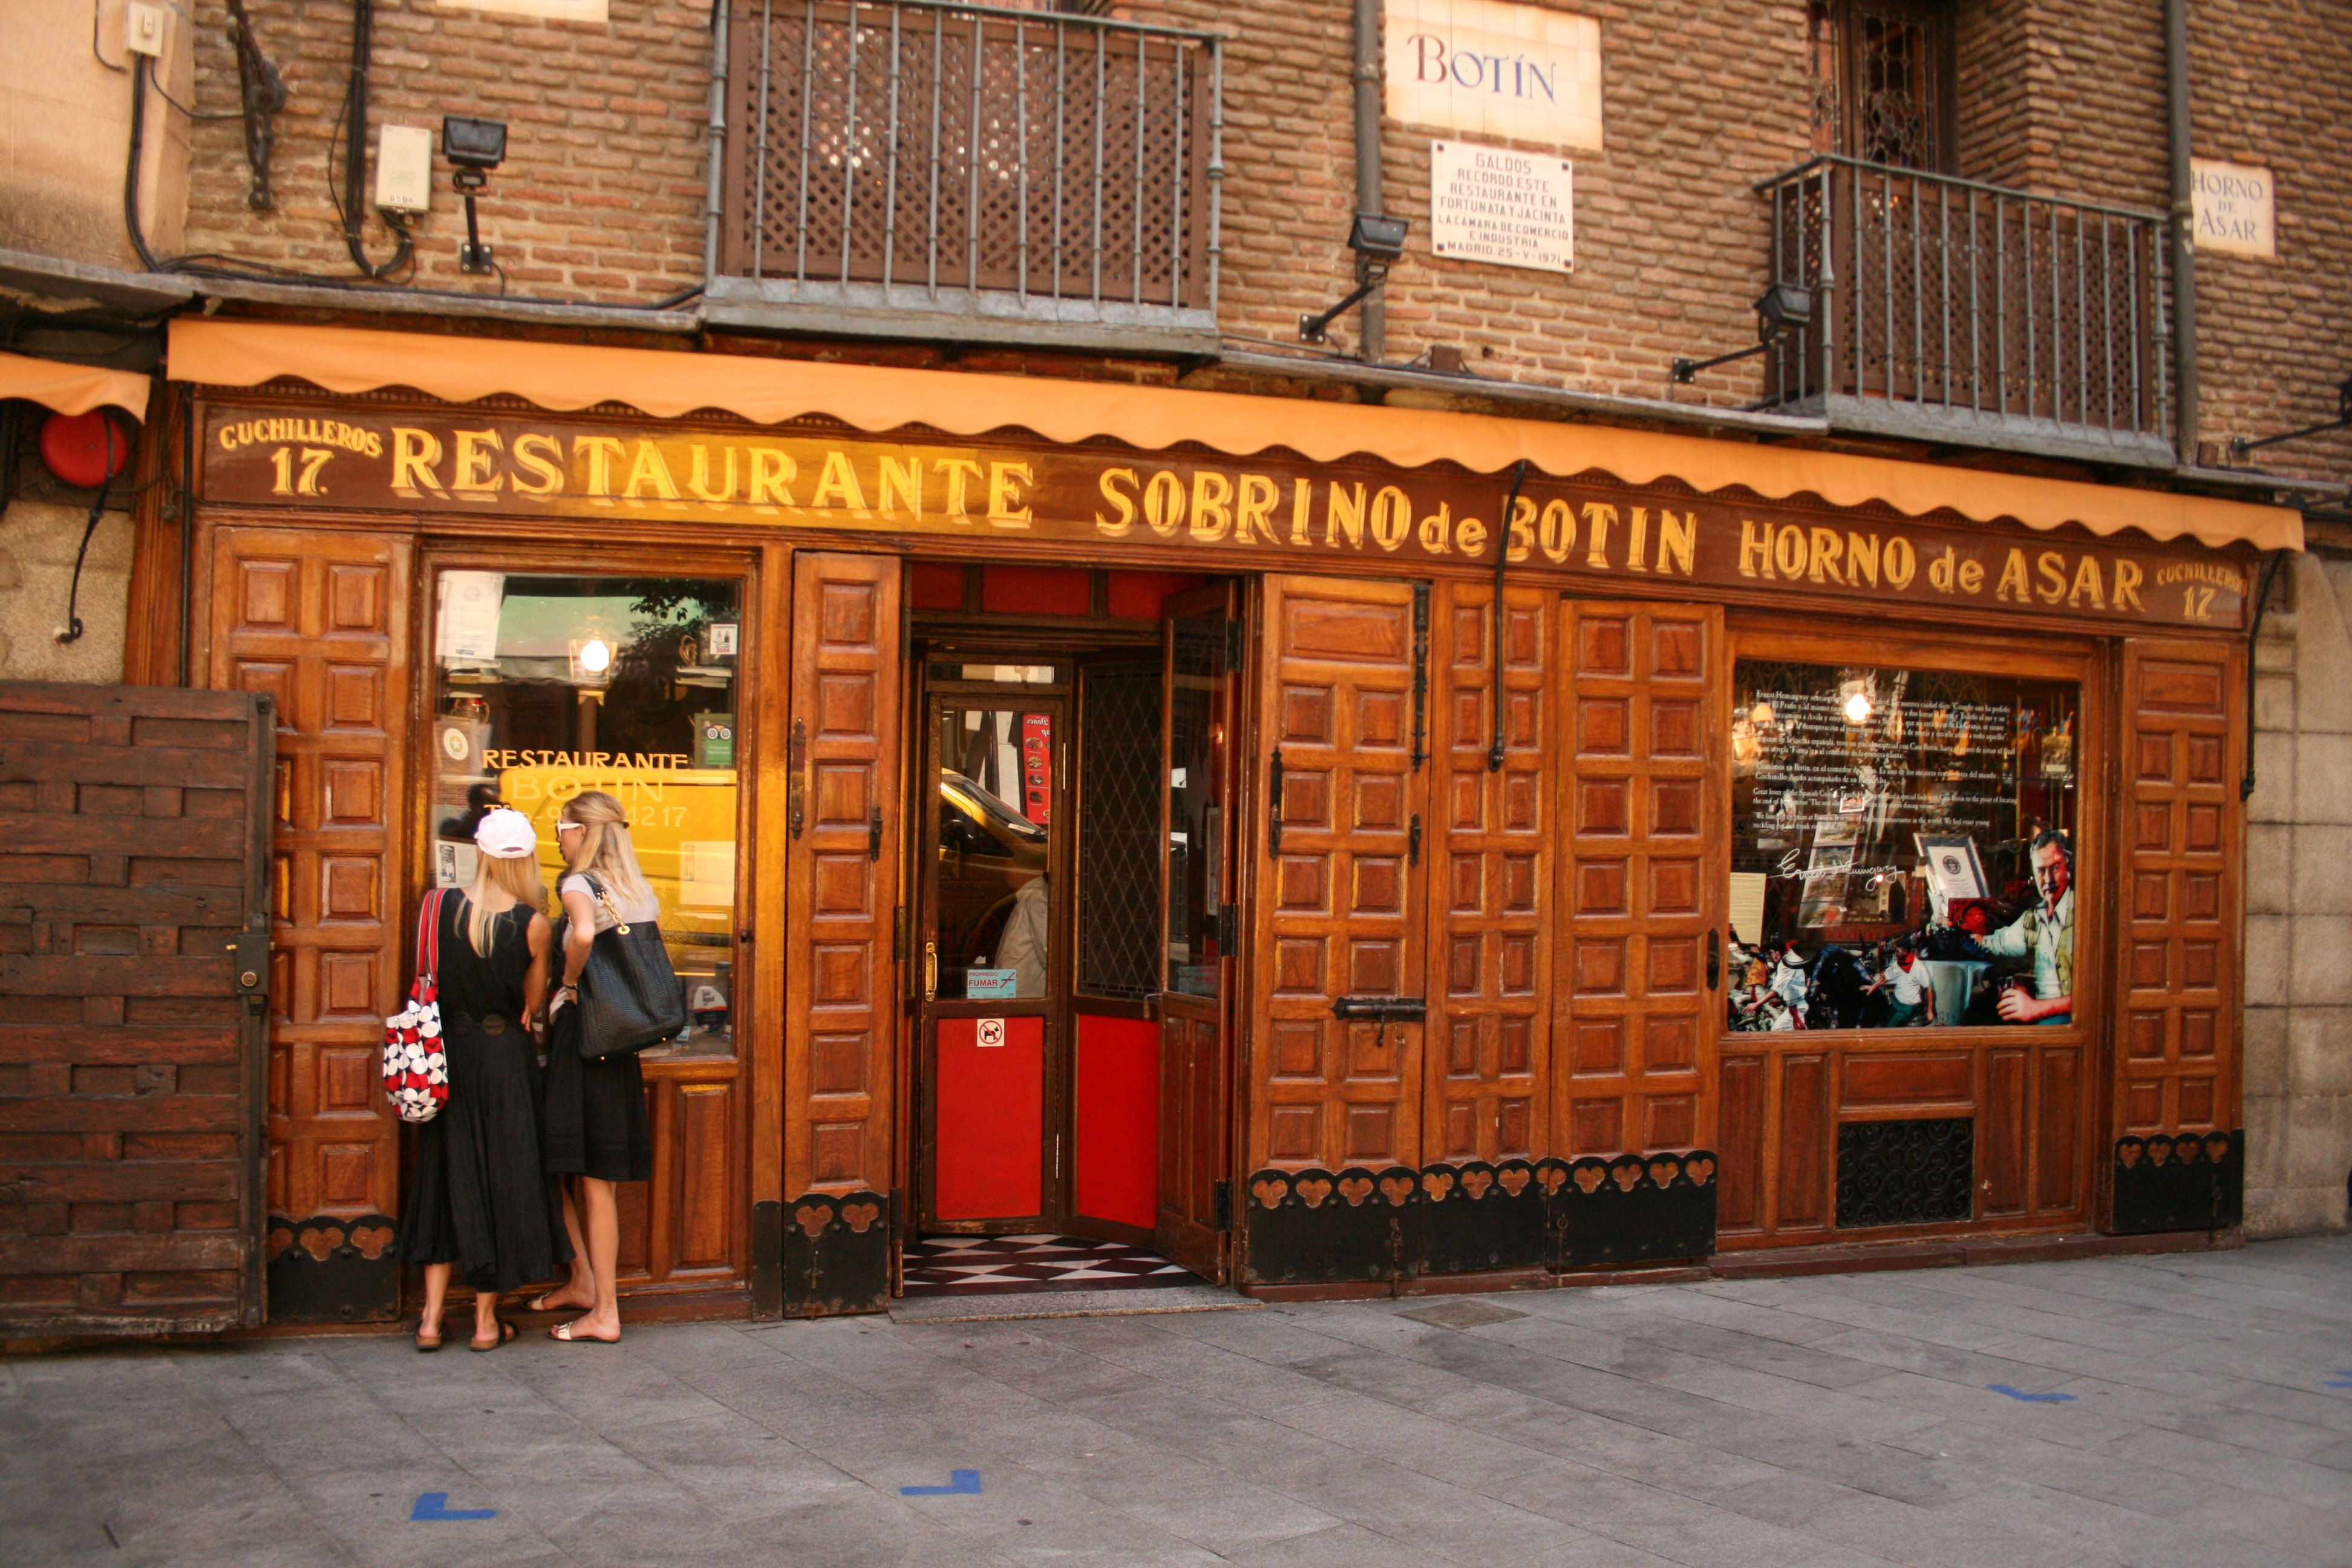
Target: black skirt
{"points": [[481, 1197], [594, 1119]]}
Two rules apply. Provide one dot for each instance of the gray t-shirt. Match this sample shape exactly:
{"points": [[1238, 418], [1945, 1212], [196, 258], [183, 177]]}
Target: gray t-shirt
{"points": [[643, 908]]}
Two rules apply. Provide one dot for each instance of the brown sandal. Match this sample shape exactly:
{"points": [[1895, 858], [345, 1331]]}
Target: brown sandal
{"points": [[506, 1335]]}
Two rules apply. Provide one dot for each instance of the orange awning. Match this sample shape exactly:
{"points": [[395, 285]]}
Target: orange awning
{"points": [[880, 398], [72, 388]]}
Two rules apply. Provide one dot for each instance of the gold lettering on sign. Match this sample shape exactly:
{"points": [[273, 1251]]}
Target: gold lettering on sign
{"points": [[1755, 550], [1343, 513], [1437, 529], [2127, 581], [1126, 503], [838, 484], [1391, 517], [773, 472], [2013, 585], [958, 470], [1519, 538], [1557, 534], [1861, 559], [414, 453], [1254, 510], [1678, 541], [1598, 517], [1302, 503], [1163, 504], [600, 451], [472, 451], [697, 480], [1005, 506], [1636, 537], [540, 455], [903, 478], [1213, 516], [1902, 562]]}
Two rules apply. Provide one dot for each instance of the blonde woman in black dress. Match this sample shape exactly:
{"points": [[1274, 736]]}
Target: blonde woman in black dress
{"points": [[479, 1204], [593, 1130]]}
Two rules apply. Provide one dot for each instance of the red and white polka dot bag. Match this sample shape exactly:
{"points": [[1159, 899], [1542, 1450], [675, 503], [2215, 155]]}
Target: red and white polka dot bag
{"points": [[416, 1066]]}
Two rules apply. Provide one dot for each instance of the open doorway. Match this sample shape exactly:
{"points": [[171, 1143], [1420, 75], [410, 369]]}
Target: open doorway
{"points": [[1071, 911]]}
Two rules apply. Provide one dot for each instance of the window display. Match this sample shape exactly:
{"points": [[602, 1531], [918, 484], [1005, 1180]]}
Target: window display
{"points": [[549, 686], [1902, 848]]}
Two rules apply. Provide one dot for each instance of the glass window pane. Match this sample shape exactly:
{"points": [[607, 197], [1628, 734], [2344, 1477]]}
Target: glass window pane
{"points": [[546, 687], [996, 782], [1196, 808], [1903, 848], [1118, 838]]}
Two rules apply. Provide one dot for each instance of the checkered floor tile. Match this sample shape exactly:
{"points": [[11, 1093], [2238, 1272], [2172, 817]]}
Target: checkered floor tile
{"points": [[1004, 1265]]}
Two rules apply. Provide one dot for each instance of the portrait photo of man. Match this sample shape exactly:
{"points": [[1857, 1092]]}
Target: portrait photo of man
{"points": [[2043, 934]]}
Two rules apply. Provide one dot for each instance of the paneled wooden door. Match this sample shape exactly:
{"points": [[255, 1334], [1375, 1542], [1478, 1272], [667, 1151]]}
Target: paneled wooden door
{"points": [[1203, 689], [1340, 912], [317, 618], [841, 780], [1644, 816]]}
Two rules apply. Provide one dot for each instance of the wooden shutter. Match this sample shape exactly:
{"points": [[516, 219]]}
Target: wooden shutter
{"points": [[1644, 820], [1336, 911], [317, 618], [1489, 1024], [130, 1055], [2181, 824], [841, 996]]}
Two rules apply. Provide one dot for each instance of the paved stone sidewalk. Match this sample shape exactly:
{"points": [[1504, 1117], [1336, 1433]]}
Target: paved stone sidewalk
{"points": [[1830, 1422]]}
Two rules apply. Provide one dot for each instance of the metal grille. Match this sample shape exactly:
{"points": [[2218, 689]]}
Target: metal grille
{"points": [[955, 149], [1982, 305], [1906, 1172], [1119, 765]]}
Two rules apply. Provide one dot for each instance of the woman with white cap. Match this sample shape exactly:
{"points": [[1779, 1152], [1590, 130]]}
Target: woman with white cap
{"points": [[480, 1204]]}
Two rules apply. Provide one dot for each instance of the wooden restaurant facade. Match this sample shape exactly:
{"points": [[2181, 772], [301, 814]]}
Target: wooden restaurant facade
{"points": [[1344, 847]]}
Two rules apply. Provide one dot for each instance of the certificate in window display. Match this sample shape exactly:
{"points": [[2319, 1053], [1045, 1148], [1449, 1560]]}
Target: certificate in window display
{"points": [[1902, 848]]}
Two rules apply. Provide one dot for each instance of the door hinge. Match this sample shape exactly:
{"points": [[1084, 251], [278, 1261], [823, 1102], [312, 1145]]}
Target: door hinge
{"points": [[1229, 928], [1232, 647], [1220, 1206], [1274, 805]]}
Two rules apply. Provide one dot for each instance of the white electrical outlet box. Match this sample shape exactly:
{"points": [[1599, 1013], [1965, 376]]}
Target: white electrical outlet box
{"points": [[143, 29], [404, 168]]}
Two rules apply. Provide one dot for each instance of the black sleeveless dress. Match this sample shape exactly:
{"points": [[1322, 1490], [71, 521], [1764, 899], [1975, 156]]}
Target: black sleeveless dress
{"points": [[592, 1121], [480, 1197]]}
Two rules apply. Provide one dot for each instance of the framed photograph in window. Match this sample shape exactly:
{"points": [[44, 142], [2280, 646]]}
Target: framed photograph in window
{"points": [[1954, 870]]}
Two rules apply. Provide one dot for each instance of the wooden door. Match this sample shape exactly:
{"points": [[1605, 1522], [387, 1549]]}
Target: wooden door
{"points": [[134, 936], [1202, 683], [1644, 823], [1334, 1135], [2182, 831], [318, 619], [840, 991], [1489, 1024]]}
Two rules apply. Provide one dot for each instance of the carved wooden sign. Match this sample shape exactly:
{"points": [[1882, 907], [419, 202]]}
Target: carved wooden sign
{"points": [[1267, 512]]}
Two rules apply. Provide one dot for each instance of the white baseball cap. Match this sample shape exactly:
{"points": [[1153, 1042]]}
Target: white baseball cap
{"points": [[505, 834]]}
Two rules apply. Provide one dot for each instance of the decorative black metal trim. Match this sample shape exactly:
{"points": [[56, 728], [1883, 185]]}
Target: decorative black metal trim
{"points": [[2180, 1180], [1909, 1172], [836, 1254], [1476, 1218], [1629, 1208], [333, 1268], [1360, 1226], [1316, 1227]]}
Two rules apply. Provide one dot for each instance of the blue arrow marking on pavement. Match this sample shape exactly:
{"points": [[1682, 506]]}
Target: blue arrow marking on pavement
{"points": [[2030, 1398], [2342, 1379], [960, 1483], [436, 1506]]}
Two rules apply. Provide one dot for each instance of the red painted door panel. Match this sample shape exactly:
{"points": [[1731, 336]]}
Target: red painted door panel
{"points": [[992, 1118], [1118, 1132]]}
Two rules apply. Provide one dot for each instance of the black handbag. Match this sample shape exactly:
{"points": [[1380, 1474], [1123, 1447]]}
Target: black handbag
{"points": [[628, 996]]}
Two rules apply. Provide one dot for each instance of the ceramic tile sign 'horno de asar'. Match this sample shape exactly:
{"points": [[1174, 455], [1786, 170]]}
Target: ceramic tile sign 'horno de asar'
{"points": [[1482, 68]]}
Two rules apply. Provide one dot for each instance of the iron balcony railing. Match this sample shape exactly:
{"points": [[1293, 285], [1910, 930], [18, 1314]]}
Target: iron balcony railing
{"points": [[910, 156], [1948, 309]]}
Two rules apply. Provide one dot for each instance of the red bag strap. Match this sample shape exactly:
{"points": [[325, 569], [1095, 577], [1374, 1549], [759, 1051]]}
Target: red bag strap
{"points": [[428, 938]]}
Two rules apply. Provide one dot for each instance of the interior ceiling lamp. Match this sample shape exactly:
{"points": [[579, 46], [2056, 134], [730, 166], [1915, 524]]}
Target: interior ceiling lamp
{"points": [[475, 147], [2239, 445], [1783, 308], [592, 661], [1378, 242]]}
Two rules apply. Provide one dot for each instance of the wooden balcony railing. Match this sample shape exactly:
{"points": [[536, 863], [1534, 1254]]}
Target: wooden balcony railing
{"points": [[931, 160], [1949, 309]]}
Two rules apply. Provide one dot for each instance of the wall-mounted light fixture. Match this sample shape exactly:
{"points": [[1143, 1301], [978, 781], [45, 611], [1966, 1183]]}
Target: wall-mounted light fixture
{"points": [[2239, 445], [1378, 242], [1784, 308], [475, 147]]}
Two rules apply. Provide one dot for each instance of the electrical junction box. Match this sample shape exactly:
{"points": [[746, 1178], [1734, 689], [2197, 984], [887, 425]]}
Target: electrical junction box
{"points": [[143, 29], [404, 168]]}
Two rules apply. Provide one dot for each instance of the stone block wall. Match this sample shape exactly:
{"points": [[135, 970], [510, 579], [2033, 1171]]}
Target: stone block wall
{"points": [[2298, 1040]]}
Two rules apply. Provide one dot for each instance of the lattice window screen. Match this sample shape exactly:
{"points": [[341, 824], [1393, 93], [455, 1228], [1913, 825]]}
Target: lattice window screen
{"points": [[1119, 765]]}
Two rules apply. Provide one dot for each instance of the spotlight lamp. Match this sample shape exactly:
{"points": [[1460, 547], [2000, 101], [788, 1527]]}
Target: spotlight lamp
{"points": [[1378, 242], [475, 147], [1782, 309]]}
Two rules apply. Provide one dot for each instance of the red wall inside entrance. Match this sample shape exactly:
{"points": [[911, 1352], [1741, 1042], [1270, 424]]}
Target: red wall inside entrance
{"points": [[1119, 1120], [992, 1120]]}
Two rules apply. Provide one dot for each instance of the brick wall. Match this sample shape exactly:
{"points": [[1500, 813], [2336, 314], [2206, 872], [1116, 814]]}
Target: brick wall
{"points": [[600, 195]]}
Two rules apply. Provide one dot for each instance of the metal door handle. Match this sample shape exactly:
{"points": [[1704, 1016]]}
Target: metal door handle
{"points": [[931, 972]]}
